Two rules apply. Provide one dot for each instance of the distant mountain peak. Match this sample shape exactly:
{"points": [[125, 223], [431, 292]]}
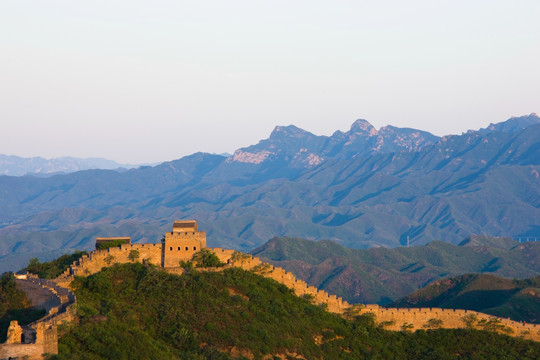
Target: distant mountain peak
{"points": [[290, 131], [533, 114], [514, 124], [362, 126]]}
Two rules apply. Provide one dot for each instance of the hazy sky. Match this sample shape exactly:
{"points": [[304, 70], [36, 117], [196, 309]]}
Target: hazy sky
{"points": [[148, 81]]}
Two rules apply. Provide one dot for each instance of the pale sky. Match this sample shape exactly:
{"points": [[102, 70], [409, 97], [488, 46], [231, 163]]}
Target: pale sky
{"points": [[150, 81]]}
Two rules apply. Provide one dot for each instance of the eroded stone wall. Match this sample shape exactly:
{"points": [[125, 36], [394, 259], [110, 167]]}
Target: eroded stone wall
{"points": [[41, 337]]}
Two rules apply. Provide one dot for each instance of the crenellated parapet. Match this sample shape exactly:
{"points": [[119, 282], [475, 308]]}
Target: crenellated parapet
{"points": [[411, 319], [98, 259], [333, 303]]}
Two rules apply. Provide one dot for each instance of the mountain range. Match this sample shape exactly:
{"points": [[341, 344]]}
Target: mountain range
{"points": [[382, 275], [360, 188]]}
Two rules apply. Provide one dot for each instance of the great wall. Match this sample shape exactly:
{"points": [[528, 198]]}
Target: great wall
{"points": [[41, 337]]}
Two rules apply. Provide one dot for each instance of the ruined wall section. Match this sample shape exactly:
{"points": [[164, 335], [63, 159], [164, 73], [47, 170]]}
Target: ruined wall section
{"points": [[41, 336], [398, 319]]}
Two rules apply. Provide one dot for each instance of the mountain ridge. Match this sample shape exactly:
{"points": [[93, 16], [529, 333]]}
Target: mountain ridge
{"points": [[381, 275], [517, 299], [474, 183]]}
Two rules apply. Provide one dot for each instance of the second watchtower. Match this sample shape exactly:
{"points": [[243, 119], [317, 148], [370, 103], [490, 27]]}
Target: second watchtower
{"points": [[182, 242]]}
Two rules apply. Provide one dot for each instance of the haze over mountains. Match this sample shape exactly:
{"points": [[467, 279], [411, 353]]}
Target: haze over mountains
{"points": [[362, 188], [17, 166]]}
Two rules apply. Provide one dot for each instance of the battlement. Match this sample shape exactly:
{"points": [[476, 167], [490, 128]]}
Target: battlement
{"points": [[411, 319]]}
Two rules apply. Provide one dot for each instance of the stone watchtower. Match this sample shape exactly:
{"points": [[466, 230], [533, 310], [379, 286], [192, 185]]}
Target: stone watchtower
{"points": [[181, 243]]}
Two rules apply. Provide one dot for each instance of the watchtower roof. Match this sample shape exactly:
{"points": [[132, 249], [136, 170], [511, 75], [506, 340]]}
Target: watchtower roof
{"points": [[184, 225]]}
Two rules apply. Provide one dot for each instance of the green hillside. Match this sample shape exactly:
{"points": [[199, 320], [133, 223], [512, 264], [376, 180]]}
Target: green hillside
{"points": [[382, 275], [135, 312], [516, 299]]}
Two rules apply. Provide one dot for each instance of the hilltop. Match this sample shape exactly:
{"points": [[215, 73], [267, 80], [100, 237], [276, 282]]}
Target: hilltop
{"points": [[133, 311], [364, 188], [382, 275]]}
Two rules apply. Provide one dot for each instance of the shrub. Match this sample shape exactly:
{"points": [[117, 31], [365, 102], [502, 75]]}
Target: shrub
{"points": [[206, 258], [406, 326], [239, 256], [133, 255], [262, 268], [108, 244], [433, 324], [470, 320], [109, 259]]}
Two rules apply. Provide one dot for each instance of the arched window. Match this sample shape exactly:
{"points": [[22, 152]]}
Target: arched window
{"points": [[194, 248], [187, 248], [179, 248], [171, 248]]}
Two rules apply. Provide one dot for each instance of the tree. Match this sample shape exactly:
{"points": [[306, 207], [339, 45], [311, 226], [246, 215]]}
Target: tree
{"points": [[133, 255], [239, 256], [262, 268], [433, 324], [470, 320], [406, 326], [354, 310], [206, 258], [109, 259]]}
